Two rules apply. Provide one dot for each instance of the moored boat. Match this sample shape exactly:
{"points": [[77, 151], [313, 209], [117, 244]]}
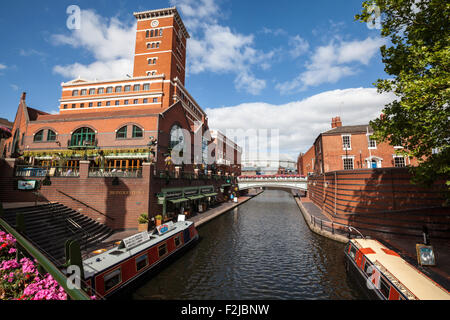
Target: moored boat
{"points": [[107, 272], [383, 274]]}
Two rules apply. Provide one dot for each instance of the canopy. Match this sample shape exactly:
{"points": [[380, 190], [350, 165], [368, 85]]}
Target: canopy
{"points": [[211, 194], [196, 197], [178, 200]]}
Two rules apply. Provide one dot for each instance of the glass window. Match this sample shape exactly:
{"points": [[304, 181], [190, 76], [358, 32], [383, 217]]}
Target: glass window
{"points": [[346, 143], [127, 88], [125, 102], [162, 250], [352, 252], [151, 33], [108, 103], [135, 101], [372, 143], [160, 32], [117, 102], [118, 89], [83, 92], [348, 163], [73, 106], [51, 135], [141, 262], [99, 104], [74, 93], [176, 136], [384, 288], [137, 132], [109, 90], [82, 105], [155, 100], [122, 133], [157, 44], [145, 101], [82, 137], [65, 106], [101, 91], [399, 162], [91, 104], [112, 279], [91, 91], [146, 86], [39, 136], [177, 241], [136, 87], [147, 33]]}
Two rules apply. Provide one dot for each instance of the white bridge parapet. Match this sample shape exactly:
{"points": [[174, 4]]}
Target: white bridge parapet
{"points": [[276, 181]]}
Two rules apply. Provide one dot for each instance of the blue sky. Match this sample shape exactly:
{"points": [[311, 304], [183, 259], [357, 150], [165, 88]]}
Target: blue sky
{"points": [[289, 65]]}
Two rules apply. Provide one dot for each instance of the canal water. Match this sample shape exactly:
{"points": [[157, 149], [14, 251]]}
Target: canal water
{"points": [[262, 250]]}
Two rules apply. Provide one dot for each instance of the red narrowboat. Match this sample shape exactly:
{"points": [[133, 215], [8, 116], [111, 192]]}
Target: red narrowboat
{"points": [[110, 271], [383, 274]]}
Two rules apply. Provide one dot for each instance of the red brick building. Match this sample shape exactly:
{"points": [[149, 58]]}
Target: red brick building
{"points": [[97, 150], [348, 148]]}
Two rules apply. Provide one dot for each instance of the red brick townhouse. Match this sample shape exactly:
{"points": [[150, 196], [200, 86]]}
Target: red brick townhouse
{"points": [[349, 148]]}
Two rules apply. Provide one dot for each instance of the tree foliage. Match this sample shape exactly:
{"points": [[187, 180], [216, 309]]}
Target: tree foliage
{"points": [[418, 59]]}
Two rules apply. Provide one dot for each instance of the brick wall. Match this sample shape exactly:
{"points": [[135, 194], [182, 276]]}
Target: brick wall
{"points": [[381, 200]]}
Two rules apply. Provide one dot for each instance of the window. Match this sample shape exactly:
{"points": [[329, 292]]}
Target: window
{"points": [[82, 137], [155, 100], [127, 88], [384, 288], [157, 44], [91, 104], [348, 163], [136, 87], [147, 33], [145, 100], [352, 252], [162, 250], [108, 103], [176, 136], [117, 102], [141, 262], [51, 135], [346, 142], [125, 102], [177, 241], [83, 92], [112, 279], [65, 106], [160, 32], [399, 162], [146, 86], [118, 89], [122, 133], [91, 91], [137, 132], [101, 91], [73, 106], [151, 33], [135, 101], [99, 104], [74, 93], [372, 143], [109, 90], [39, 136], [82, 105]]}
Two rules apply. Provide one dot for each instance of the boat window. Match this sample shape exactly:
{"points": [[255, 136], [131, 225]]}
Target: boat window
{"points": [[162, 250], [384, 288], [112, 279], [368, 271], [352, 252], [177, 241], [141, 262]]}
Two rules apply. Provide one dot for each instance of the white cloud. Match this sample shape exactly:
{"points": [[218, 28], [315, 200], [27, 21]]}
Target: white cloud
{"points": [[2, 66], [299, 46], [300, 122], [110, 41], [333, 62], [15, 87]]}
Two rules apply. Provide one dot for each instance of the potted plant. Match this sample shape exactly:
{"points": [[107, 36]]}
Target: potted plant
{"points": [[158, 220], [143, 222]]}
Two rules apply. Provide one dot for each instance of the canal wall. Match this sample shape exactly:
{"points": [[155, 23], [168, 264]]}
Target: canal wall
{"points": [[381, 201]]}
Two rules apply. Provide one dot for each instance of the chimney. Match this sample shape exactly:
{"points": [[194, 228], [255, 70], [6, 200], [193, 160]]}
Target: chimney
{"points": [[24, 94], [338, 122], [333, 123]]}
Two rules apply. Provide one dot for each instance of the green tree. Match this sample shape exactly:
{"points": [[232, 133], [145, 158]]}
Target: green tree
{"points": [[418, 59]]}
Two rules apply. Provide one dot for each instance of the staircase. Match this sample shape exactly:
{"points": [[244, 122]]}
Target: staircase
{"points": [[49, 226]]}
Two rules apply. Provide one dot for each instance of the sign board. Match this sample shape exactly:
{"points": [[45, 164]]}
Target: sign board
{"points": [[165, 227], [181, 217], [136, 240], [26, 184]]}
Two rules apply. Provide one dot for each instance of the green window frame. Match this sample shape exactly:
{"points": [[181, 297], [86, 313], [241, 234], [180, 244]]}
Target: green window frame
{"points": [[81, 135], [39, 136], [121, 133], [51, 135], [137, 132]]}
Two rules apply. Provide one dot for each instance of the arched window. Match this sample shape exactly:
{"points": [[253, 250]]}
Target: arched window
{"points": [[39, 136], [51, 135], [137, 132], [121, 133], [82, 137], [176, 136]]}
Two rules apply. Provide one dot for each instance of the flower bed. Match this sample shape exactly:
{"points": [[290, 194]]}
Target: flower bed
{"points": [[21, 281]]}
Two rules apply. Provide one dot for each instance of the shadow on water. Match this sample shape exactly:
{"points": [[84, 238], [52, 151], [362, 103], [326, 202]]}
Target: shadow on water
{"points": [[261, 250]]}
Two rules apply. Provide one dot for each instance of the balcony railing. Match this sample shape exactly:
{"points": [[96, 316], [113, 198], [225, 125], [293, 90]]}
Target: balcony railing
{"points": [[115, 172], [34, 171]]}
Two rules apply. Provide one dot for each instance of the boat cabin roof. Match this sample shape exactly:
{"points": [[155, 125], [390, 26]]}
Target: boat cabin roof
{"points": [[103, 261], [397, 270]]}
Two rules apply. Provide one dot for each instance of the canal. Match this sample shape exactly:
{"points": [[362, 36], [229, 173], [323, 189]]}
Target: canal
{"points": [[261, 250]]}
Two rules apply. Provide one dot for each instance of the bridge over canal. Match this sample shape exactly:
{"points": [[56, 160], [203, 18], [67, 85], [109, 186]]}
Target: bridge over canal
{"points": [[295, 182]]}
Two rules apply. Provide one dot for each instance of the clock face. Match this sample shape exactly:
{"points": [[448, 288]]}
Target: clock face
{"points": [[155, 23]]}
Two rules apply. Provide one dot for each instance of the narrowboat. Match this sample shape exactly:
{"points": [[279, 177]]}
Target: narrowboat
{"points": [[383, 274], [109, 271]]}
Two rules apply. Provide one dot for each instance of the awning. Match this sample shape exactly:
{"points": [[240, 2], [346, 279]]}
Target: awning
{"points": [[211, 194], [196, 197], [178, 200], [5, 131]]}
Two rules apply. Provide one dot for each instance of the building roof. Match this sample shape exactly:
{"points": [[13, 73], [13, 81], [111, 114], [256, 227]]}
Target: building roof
{"points": [[161, 13], [349, 129]]}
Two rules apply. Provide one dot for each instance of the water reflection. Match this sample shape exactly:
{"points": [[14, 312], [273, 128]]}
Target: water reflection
{"points": [[261, 250]]}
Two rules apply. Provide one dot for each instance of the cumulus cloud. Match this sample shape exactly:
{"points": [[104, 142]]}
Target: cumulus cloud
{"points": [[299, 46], [300, 122], [2, 66], [216, 48], [109, 41], [332, 62]]}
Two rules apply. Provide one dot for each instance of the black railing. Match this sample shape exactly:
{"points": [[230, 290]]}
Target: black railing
{"points": [[37, 171], [115, 172]]}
